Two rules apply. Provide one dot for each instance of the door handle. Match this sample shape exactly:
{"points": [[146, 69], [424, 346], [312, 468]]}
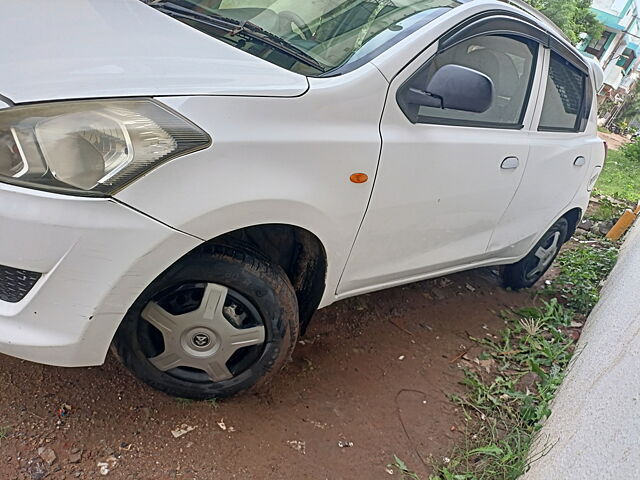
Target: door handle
{"points": [[580, 161], [510, 163]]}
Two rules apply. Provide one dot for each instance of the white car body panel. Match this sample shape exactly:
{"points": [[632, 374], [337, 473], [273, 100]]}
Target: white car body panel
{"points": [[123, 48], [550, 170], [284, 147], [92, 271], [444, 184], [259, 179]]}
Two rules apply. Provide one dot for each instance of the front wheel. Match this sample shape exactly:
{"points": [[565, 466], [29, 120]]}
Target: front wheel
{"points": [[214, 324], [531, 268]]}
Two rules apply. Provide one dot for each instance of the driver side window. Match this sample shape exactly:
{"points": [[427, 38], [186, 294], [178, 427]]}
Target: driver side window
{"points": [[510, 63]]}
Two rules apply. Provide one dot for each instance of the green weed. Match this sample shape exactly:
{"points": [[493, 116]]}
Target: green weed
{"points": [[184, 402], [582, 270], [607, 210], [402, 468], [620, 177], [505, 409], [503, 412]]}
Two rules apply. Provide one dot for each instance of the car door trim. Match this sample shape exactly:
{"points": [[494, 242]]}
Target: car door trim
{"points": [[417, 119], [498, 23], [582, 118], [506, 22]]}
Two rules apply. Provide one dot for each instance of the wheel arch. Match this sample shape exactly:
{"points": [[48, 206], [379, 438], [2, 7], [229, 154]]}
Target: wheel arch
{"points": [[573, 216], [299, 252]]}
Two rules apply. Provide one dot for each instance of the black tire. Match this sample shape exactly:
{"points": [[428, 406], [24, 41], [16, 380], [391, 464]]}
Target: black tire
{"points": [[519, 275], [257, 281]]}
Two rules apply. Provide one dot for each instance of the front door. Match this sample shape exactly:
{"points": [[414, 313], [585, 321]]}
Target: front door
{"points": [[445, 177]]}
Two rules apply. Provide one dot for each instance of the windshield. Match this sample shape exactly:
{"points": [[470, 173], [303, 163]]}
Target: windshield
{"points": [[310, 37]]}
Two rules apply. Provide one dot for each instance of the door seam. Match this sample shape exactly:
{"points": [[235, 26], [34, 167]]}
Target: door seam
{"points": [[375, 178], [534, 116]]}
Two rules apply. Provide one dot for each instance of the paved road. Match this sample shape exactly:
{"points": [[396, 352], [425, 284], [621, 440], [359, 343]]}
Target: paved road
{"points": [[596, 421]]}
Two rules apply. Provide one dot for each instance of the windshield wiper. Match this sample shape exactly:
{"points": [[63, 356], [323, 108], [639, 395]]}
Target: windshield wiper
{"points": [[237, 27]]}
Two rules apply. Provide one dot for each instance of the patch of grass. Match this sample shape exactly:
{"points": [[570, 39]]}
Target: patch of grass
{"points": [[620, 177], [607, 210], [504, 409], [401, 467], [184, 402], [213, 403], [4, 433], [582, 270]]}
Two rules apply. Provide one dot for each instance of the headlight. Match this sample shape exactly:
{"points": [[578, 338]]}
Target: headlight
{"points": [[92, 147]]}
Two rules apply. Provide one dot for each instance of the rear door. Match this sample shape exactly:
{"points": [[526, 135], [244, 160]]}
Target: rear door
{"points": [[447, 177], [559, 160]]}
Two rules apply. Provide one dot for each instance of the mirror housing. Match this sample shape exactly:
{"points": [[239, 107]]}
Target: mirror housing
{"points": [[455, 87]]}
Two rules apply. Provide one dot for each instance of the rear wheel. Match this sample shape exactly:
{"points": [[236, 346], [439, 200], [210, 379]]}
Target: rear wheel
{"points": [[214, 324], [531, 268]]}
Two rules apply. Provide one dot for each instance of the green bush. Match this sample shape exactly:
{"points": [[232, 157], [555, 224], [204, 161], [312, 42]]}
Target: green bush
{"points": [[581, 271], [621, 175], [631, 151], [607, 210]]}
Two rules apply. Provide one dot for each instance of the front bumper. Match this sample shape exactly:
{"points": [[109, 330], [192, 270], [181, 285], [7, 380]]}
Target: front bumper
{"points": [[95, 257]]}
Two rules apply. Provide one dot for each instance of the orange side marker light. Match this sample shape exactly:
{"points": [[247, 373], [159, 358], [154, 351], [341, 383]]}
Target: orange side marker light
{"points": [[359, 177]]}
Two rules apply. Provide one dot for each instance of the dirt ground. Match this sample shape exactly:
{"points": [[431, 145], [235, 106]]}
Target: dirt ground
{"points": [[373, 370], [614, 140]]}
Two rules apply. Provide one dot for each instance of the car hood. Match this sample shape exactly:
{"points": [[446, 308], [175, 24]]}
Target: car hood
{"points": [[111, 48]]}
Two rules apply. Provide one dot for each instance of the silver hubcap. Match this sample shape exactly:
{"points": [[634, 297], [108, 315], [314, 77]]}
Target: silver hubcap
{"points": [[545, 256], [205, 338]]}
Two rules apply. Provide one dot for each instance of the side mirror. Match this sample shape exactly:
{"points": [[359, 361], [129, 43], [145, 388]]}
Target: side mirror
{"points": [[455, 87]]}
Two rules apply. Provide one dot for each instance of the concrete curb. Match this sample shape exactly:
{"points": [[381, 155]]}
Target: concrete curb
{"points": [[595, 424]]}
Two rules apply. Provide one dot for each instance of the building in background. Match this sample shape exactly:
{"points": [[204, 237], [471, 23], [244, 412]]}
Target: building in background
{"points": [[617, 49]]}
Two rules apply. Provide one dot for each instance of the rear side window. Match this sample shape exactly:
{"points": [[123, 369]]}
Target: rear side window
{"points": [[564, 100]]}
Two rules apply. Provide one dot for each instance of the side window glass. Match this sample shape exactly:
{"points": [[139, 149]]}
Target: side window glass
{"points": [[508, 61], [564, 98]]}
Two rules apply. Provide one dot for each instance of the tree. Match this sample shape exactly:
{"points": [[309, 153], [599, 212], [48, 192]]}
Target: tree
{"points": [[631, 106], [572, 16]]}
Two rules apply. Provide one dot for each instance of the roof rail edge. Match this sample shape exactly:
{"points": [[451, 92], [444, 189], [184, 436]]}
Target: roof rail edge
{"points": [[538, 15]]}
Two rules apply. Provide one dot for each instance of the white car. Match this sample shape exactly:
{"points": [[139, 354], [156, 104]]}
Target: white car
{"points": [[190, 180]]}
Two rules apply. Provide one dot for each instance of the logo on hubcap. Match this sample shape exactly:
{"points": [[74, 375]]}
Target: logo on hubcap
{"points": [[201, 340]]}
